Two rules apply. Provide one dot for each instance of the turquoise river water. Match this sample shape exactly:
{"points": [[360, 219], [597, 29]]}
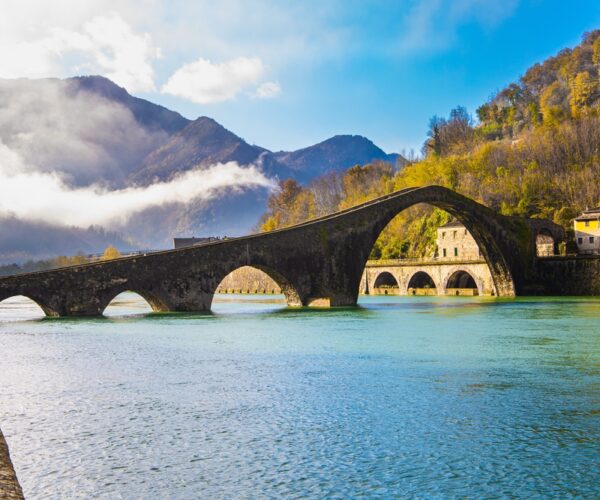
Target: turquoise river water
{"points": [[427, 397]]}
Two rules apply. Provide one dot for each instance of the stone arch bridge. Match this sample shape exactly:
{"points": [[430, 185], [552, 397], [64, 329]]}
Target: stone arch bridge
{"points": [[319, 262], [430, 276]]}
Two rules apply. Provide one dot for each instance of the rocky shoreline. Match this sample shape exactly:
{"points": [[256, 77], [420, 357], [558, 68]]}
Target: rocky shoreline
{"points": [[9, 485]]}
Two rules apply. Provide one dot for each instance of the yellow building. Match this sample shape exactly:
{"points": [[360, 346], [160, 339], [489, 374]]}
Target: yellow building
{"points": [[587, 232]]}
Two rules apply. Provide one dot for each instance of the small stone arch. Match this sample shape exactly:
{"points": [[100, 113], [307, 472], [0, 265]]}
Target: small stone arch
{"points": [[460, 280], [289, 291], [46, 309], [386, 283], [545, 244], [156, 303], [421, 280]]}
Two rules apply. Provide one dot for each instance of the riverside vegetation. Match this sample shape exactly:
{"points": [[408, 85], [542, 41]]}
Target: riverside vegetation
{"points": [[534, 151], [110, 252]]}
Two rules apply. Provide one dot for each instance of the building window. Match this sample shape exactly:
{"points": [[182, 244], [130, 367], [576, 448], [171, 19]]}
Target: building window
{"points": [[587, 223], [465, 232], [579, 241], [455, 252], [443, 234], [591, 239], [444, 252], [454, 235]]}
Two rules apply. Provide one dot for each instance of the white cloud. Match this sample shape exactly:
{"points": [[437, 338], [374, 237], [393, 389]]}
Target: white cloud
{"points": [[38, 196], [80, 134], [110, 46], [268, 90], [204, 82], [104, 44]]}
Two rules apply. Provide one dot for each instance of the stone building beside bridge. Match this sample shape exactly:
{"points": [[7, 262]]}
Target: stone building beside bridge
{"points": [[455, 268], [454, 242]]}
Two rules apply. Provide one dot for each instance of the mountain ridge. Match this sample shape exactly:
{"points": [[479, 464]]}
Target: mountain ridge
{"points": [[204, 141], [91, 132]]}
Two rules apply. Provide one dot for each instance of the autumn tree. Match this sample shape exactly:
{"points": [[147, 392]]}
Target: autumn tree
{"points": [[446, 135], [280, 206], [584, 91], [111, 253], [553, 104]]}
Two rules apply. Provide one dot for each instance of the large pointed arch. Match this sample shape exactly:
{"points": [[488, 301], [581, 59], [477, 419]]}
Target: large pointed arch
{"points": [[477, 219]]}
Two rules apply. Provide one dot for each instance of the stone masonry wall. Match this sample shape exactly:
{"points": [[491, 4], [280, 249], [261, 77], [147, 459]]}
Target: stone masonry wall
{"points": [[568, 275]]}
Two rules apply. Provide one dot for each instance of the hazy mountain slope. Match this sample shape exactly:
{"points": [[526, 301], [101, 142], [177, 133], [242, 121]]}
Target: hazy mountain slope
{"points": [[24, 240], [201, 143], [150, 115], [87, 130], [204, 142]]}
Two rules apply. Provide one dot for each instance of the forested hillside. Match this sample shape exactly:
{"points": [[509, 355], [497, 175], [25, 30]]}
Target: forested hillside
{"points": [[534, 150]]}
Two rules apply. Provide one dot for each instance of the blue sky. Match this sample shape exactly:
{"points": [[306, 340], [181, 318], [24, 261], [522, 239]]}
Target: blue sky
{"points": [[285, 75]]}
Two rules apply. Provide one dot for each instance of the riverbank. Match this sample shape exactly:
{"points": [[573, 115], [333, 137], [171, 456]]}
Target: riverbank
{"points": [[9, 485]]}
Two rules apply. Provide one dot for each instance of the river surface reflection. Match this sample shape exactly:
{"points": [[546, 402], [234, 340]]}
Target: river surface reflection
{"points": [[420, 396]]}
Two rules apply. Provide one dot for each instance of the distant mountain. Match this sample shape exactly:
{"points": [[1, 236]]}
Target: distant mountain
{"points": [[336, 154], [205, 142], [89, 131]]}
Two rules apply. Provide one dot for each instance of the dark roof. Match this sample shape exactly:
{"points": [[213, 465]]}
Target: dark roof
{"points": [[454, 223], [187, 242], [592, 214]]}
